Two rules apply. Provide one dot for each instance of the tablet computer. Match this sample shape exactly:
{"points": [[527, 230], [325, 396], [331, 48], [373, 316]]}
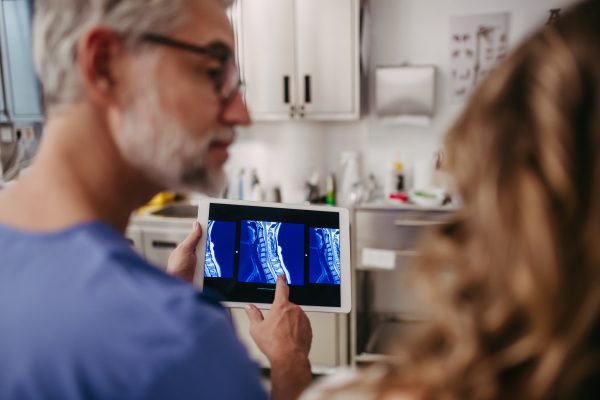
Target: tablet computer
{"points": [[247, 245]]}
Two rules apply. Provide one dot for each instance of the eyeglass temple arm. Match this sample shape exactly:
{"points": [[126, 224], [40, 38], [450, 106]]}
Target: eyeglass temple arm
{"points": [[183, 46]]}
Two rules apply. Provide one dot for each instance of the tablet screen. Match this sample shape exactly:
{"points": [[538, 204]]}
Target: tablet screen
{"points": [[248, 247]]}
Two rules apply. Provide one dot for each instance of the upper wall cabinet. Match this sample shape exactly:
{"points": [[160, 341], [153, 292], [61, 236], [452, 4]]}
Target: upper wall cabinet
{"points": [[299, 58], [267, 57], [21, 88]]}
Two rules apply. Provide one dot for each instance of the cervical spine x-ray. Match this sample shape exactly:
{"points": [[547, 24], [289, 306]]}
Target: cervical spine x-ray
{"points": [[262, 251], [220, 245], [325, 255]]}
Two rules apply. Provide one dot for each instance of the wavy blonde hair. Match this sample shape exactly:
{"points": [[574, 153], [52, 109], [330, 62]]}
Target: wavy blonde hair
{"points": [[515, 277]]}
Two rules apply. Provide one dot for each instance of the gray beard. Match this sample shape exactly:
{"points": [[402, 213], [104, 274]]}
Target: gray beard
{"points": [[157, 144]]}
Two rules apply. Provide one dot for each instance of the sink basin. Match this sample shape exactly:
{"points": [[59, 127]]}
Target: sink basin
{"points": [[178, 210]]}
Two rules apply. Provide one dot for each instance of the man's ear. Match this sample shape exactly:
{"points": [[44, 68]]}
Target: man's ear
{"points": [[100, 59]]}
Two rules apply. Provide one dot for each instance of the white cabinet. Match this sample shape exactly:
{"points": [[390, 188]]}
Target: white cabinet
{"points": [[327, 66], [268, 68], [329, 348], [160, 243], [155, 238], [299, 58], [21, 87], [135, 237]]}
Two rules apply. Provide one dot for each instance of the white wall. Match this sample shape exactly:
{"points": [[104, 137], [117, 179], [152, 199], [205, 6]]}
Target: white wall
{"points": [[413, 31], [285, 153]]}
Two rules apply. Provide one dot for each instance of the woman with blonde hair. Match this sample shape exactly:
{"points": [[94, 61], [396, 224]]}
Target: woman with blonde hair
{"points": [[515, 277]]}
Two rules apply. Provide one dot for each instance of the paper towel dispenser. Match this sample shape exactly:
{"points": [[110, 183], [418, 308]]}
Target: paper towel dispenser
{"points": [[405, 91]]}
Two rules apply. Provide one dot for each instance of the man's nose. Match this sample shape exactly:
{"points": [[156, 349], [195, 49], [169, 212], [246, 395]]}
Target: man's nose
{"points": [[236, 112]]}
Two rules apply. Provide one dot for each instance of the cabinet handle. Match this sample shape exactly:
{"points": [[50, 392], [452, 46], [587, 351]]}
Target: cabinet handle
{"points": [[286, 89], [163, 245], [292, 111], [307, 89]]}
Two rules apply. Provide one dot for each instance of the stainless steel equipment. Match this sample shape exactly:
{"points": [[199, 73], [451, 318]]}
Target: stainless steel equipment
{"points": [[385, 303]]}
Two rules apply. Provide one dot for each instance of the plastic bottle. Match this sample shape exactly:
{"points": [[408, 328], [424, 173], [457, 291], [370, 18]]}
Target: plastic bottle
{"points": [[350, 179], [330, 187], [399, 175], [394, 183], [247, 181], [235, 188], [256, 193], [389, 183]]}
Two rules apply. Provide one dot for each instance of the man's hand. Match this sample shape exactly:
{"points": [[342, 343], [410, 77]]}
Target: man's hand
{"points": [[284, 336], [182, 262]]}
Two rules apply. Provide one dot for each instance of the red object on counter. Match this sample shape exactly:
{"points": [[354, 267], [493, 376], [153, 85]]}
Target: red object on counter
{"points": [[399, 196]]}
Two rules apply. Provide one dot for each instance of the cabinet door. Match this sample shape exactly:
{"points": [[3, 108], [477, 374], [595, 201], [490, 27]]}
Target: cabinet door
{"points": [[159, 244], [20, 77], [267, 41], [325, 346], [327, 54], [135, 237], [2, 92]]}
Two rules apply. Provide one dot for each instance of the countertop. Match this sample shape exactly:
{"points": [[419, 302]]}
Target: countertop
{"points": [[146, 217], [385, 206]]}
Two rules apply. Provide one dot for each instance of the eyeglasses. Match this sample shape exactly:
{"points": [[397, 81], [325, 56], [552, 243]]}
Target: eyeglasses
{"points": [[227, 82]]}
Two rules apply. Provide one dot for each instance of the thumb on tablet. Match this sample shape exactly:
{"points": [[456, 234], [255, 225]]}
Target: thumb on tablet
{"points": [[191, 241], [182, 261]]}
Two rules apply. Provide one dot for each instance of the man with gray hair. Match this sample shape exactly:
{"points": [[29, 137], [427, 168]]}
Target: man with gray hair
{"points": [[140, 96]]}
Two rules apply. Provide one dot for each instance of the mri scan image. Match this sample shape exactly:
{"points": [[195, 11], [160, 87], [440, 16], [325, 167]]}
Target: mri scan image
{"points": [[324, 261], [270, 249], [220, 249]]}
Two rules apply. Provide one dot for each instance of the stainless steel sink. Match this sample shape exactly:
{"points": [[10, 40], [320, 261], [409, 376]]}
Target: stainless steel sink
{"points": [[178, 210]]}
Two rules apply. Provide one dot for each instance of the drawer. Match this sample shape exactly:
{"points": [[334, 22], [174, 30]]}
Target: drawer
{"points": [[394, 230], [403, 257], [325, 344], [159, 244]]}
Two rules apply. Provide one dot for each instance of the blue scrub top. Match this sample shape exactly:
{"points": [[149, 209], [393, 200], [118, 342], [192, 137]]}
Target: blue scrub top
{"points": [[82, 316]]}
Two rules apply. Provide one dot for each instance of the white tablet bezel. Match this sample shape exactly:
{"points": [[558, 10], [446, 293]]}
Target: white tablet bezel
{"points": [[345, 269]]}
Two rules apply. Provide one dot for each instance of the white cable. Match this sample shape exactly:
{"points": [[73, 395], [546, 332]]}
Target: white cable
{"points": [[18, 164], [14, 171]]}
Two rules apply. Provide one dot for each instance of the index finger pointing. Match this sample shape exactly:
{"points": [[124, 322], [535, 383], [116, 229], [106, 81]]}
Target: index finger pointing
{"points": [[282, 290]]}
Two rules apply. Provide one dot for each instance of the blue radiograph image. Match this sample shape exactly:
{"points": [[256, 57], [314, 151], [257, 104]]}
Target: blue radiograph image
{"points": [[324, 260], [220, 249], [269, 249]]}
